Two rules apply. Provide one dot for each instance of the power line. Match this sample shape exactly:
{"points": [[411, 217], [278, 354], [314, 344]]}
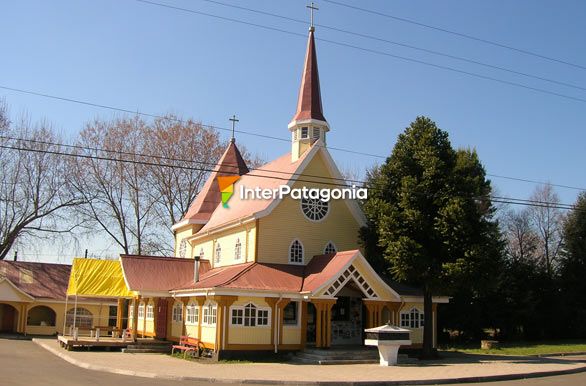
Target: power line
{"points": [[372, 51], [507, 200], [379, 39], [460, 34], [208, 126]]}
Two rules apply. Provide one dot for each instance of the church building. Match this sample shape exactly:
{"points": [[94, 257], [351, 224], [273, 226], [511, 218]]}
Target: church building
{"points": [[276, 273]]}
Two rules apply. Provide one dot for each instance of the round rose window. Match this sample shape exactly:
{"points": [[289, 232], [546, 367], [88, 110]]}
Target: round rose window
{"points": [[314, 209]]}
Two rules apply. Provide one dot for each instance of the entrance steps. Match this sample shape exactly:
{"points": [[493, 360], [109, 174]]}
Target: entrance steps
{"points": [[338, 355], [145, 347]]}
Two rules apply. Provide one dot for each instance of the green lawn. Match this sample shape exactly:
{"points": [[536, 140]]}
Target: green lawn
{"points": [[525, 348]]}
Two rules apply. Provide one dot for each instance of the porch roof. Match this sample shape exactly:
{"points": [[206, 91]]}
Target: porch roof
{"points": [[155, 273]]}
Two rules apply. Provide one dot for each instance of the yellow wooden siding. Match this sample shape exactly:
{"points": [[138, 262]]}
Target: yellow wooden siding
{"points": [[208, 334], [244, 300], [149, 326], [249, 335], [185, 233], [191, 330], [287, 222], [291, 335], [227, 239], [416, 333]]}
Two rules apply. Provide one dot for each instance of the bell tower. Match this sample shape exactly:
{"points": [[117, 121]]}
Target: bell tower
{"points": [[309, 124]]}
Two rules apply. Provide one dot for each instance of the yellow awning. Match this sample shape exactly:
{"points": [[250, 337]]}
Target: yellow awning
{"points": [[99, 278]]}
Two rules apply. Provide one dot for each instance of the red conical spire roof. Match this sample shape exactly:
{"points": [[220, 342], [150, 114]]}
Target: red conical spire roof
{"points": [[309, 103], [231, 163]]}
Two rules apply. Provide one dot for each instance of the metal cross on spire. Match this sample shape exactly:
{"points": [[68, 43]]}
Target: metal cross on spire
{"points": [[233, 120], [312, 8]]}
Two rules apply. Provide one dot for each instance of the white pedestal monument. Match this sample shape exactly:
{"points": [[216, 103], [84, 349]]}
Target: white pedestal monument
{"points": [[388, 339]]}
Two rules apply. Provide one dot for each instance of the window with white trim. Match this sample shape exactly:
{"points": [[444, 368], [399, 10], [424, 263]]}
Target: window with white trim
{"points": [[183, 248], [150, 314], [192, 313], [304, 132], [250, 315], [210, 312], [330, 248], [237, 250], [262, 317], [177, 314], [412, 318], [296, 252], [141, 310], [218, 253]]}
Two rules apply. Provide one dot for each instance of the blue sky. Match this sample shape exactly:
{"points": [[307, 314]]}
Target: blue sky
{"points": [[142, 57]]}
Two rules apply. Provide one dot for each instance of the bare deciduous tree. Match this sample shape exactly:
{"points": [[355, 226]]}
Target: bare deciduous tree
{"points": [[547, 220], [111, 177], [34, 184], [522, 240]]}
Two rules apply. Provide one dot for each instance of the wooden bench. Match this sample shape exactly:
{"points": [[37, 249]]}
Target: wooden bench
{"points": [[187, 345]]}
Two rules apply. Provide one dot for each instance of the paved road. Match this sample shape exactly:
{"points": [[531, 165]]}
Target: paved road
{"points": [[23, 363]]}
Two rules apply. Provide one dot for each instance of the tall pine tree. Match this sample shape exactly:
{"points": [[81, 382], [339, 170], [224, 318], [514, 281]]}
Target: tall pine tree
{"points": [[430, 217]]}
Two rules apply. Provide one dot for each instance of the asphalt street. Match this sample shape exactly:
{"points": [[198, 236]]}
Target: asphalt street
{"points": [[23, 363]]}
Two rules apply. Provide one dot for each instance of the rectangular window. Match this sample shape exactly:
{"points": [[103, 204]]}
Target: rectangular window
{"points": [[263, 318], [237, 316], [304, 133], [290, 314]]}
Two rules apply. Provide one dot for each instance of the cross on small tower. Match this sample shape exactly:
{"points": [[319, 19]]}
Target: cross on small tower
{"points": [[312, 8], [233, 120]]}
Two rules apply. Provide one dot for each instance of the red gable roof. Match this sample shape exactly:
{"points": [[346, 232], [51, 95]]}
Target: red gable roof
{"points": [[39, 280], [274, 277], [153, 273], [309, 103]]}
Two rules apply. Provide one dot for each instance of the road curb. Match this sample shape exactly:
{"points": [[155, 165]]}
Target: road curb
{"points": [[442, 381]]}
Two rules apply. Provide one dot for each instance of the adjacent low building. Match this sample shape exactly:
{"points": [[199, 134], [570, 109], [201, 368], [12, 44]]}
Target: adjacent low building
{"points": [[33, 300]]}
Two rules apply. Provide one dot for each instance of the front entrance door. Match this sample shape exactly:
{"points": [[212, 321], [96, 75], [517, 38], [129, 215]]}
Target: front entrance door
{"points": [[7, 318], [161, 327], [310, 338], [347, 321]]}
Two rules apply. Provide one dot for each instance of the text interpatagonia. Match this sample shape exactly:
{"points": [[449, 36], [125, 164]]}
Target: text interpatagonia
{"points": [[304, 193]]}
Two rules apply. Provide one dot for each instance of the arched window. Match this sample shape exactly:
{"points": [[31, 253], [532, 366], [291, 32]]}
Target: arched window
{"points": [[41, 316], [296, 252], [150, 315], [183, 248], [218, 253], [83, 318], [330, 248], [177, 312], [141, 310], [210, 310], [250, 315], [192, 313], [238, 250]]}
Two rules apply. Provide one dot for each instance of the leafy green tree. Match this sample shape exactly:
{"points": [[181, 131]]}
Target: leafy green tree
{"points": [[430, 214], [573, 269]]}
